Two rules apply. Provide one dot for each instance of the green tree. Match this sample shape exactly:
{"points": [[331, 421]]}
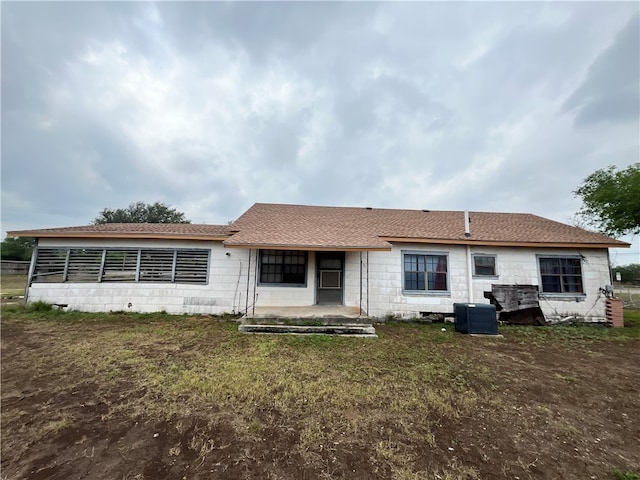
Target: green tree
{"points": [[17, 248], [140, 212], [611, 200], [629, 273]]}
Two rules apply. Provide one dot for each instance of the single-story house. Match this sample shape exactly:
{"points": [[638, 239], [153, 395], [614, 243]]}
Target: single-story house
{"points": [[379, 262]]}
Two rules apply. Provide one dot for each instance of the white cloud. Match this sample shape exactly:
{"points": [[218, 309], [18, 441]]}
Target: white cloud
{"points": [[211, 107]]}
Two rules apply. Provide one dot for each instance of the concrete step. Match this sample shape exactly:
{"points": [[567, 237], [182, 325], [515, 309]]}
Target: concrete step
{"points": [[333, 320], [309, 311], [353, 330]]}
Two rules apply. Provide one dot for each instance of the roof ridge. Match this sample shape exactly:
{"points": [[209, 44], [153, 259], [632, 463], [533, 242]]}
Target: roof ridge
{"points": [[348, 207]]}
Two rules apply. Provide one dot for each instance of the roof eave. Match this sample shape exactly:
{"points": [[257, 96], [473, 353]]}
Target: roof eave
{"points": [[319, 248], [497, 243], [140, 235]]}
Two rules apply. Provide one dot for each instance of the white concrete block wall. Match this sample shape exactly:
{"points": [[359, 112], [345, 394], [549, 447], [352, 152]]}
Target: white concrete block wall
{"points": [[514, 266], [277, 296], [223, 293], [520, 266], [230, 274], [351, 280], [386, 296]]}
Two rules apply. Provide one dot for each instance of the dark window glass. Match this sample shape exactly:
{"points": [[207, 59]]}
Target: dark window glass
{"points": [[283, 266], [561, 275], [484, 265], [425, 272]]}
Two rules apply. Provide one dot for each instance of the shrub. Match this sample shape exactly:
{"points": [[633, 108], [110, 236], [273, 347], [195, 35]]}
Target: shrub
{"points": [[620, 475], [40, 306]]}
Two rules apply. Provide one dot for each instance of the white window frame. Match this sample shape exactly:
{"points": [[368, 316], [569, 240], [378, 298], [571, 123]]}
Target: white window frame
{"points": [[426, 291], [570, 295], [495, 265]]}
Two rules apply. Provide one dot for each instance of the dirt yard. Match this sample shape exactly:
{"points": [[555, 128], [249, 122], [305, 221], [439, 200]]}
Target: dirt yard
{"points": [[153, 397]]}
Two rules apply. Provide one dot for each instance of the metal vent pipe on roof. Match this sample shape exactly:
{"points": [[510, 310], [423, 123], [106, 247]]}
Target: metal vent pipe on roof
{"points": [[467, 231]]}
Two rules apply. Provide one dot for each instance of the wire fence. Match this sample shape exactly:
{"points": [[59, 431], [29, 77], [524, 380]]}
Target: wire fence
{"points": [[629, 294]]}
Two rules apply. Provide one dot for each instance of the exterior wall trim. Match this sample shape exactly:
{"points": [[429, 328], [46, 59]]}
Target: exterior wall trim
{"points": [[487, 243], [128, 236], [308, 248]]}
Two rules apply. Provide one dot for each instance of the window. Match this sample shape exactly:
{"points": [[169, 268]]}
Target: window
{"points": [[425, 272], [121, 265], [484, 265], [191, 266], [561, 274], [51, 265], [156, 265], [84, 264], [329, 279], [286, 267]]}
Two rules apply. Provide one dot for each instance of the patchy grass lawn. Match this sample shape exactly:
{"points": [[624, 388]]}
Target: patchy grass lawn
{"points": [[12, 285], [629, 294], [159, 396]]}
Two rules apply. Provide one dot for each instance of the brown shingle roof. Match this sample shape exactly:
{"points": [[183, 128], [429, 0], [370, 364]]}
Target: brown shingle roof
{"points": [[301, 226], [343, 228], [188, 231]]}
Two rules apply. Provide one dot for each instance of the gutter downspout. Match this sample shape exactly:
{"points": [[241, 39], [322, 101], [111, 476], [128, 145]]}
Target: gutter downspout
{"points": [[255, 284], [360, 311], [469, 276], [467, 233], [610, 270], [367, 283], [246, 301]]}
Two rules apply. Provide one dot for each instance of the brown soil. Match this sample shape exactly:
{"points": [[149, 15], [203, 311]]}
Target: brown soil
{"points": [[555, 412]]}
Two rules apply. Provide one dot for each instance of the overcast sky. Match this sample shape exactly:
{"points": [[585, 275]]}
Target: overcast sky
{"points": [[210, 107]]}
